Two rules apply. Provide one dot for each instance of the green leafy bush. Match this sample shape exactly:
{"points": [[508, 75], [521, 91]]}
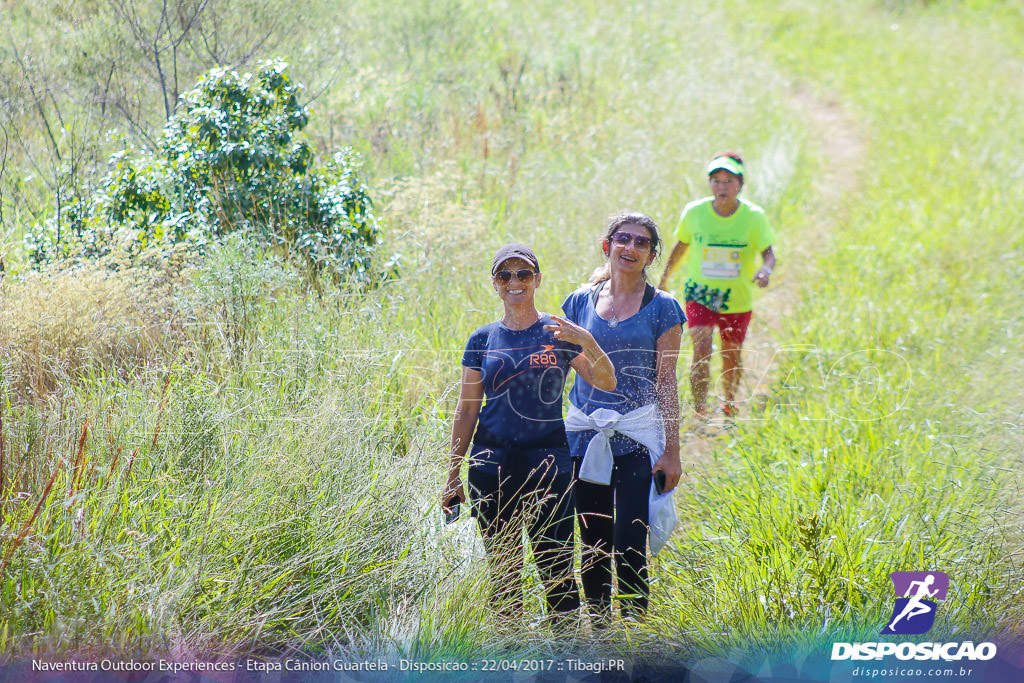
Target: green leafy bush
{"points": [[230, 157]]}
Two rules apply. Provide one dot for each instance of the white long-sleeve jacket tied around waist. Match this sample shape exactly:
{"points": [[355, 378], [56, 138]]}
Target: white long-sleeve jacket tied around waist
{"points": [[643, 425]]}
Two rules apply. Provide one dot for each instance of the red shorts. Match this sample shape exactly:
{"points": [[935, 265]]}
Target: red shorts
{"points": [[733, 326]]}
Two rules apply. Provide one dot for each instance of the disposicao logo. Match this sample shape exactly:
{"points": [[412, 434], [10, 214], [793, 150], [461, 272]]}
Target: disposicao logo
{"points": [[916, 595], [913, 613]]}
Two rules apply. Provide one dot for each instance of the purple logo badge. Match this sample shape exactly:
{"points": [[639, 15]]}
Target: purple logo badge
{"points": [[916, 596]]}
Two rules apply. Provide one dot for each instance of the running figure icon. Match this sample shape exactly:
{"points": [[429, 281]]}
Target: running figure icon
{"points": [[914, 606], [917, 592]]}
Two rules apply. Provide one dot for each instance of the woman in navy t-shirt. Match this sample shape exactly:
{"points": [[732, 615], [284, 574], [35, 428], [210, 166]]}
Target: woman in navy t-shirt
{"points": [[510, 406], [625, 439]]}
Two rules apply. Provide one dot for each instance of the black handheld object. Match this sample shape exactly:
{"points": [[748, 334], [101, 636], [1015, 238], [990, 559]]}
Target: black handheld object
{"points": [[659, 482], [452, 512]]}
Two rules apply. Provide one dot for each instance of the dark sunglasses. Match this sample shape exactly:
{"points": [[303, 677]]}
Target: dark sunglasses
{"points": [[505, 276], [624, 238]]}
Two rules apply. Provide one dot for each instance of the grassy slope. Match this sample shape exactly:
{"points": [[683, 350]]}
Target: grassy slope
{"points": [[895, 440], [283, 418], [304, 522]]}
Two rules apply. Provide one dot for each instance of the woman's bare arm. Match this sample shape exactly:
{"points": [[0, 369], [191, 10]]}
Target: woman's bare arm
{"points": [[667, 391]]}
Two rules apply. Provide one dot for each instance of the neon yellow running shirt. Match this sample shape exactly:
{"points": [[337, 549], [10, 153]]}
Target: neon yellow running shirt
{"points": [[723, 254]]}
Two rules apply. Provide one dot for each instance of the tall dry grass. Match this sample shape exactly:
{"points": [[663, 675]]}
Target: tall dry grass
{"points": [[110, 317]]}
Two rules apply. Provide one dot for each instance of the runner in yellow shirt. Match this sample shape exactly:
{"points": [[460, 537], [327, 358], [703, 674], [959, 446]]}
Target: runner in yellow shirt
{"points": [[726, 234]]}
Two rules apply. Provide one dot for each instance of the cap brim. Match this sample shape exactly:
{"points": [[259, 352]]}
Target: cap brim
{"points": [[727, 164]]}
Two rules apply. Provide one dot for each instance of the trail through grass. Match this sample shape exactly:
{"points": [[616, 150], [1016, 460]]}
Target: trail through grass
{"points": [[891, 444]]}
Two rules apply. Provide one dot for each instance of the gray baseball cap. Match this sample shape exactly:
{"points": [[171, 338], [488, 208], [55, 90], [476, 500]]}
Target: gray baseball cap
{"points": [[514, 251]]}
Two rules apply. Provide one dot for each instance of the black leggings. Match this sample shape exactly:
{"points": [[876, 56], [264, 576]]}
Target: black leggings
{"points": [[541, 499], [613, 523]]}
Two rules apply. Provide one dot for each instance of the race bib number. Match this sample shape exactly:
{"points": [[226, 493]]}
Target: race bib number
{"points": [[721, 263]]}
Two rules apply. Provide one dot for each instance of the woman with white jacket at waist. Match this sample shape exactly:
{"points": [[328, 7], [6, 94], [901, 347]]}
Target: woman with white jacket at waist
{"points": [[625, 442]]}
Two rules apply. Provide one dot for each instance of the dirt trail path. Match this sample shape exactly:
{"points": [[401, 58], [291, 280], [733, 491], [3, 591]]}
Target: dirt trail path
{"points": [[837, 139]]}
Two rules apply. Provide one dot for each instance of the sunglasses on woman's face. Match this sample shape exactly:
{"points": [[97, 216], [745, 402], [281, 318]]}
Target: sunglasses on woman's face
{"points": [[624, 238], [505, 276]]}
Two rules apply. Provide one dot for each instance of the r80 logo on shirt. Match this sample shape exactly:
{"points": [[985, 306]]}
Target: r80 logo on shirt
{"points": [[544, 359]]}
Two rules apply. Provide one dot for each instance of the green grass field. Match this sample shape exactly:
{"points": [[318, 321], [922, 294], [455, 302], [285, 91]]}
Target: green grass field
{"points": [[201, 455]]}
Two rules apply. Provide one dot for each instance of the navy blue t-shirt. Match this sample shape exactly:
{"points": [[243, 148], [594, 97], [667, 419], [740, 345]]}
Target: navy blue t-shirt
{"points": [[523, 374], [631, 346]]}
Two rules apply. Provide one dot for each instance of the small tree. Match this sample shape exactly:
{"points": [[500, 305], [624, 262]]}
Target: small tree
{"points": [[230, 157]]}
